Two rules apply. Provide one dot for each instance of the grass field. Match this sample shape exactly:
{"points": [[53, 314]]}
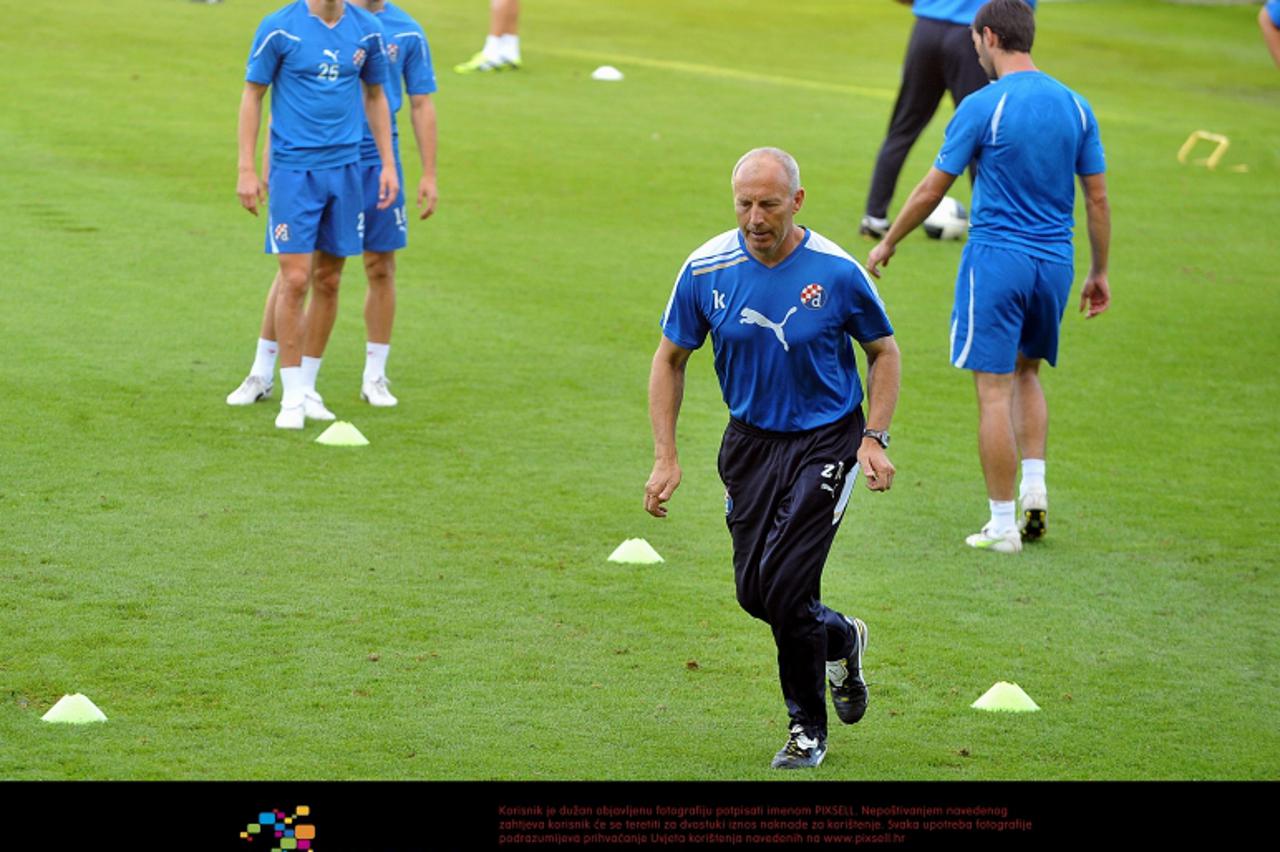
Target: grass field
{"points": [[218, 588]]}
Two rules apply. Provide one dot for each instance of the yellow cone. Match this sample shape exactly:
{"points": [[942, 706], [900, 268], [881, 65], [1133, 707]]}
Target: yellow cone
{"points": [[1006, 697], [342, 434], [636, 551], [74, 709]]}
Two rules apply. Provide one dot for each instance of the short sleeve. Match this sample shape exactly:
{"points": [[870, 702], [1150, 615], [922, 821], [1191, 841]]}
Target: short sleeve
{"points": [[960, 143], [867, 320], [683, 322], [1091, 159], [419, 75], [265, 54], [375, 63], [1273, 12]]}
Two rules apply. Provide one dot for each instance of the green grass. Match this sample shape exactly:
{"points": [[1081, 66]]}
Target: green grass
{"points": [[218, 588]]}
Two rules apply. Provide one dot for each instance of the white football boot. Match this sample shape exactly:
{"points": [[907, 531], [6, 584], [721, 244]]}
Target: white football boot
{"points": [[376, 393], [987, 539], [291, 417], [1033, 522], [251, 390], [313, 407]]}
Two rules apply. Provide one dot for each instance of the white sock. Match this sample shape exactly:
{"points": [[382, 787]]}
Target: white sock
{"points": [[375, 360], [310, 367], [264, 363], [294, 387], [1032, 476], [1002, 516], [492, 50], [509, 47]]}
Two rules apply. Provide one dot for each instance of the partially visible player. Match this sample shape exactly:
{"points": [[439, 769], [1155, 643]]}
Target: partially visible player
{"points": [[385, 230], [939, 60], [325, 64], [1031, 137], [501, 50], [1269, 21]]}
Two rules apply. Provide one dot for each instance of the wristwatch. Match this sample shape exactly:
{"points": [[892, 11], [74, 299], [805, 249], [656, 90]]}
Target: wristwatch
{"points": [[880, 436]]}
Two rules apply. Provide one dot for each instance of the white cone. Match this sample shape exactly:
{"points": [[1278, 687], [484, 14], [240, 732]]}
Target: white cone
{"points": [[1007, 697], [74, 709], [607, 73], [636, 551]]}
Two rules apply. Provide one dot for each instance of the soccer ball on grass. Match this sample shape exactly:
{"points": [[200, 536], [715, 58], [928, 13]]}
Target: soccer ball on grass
{"points": [[948, 221]]}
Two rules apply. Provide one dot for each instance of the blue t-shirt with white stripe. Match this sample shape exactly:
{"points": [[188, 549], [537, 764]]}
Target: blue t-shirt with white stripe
{"points": [[781, 335], [315, 71], [409, 71], [952, 11], [1030, 136]]}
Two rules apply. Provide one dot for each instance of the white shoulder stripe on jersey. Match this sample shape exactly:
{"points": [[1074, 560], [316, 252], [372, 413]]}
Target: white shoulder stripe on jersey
{"points": [[1084, 122], [719, 245], [708, 261], [666, 314], [372, 35], [403, 35], [995, 119], [819, 243], [272, 35]]}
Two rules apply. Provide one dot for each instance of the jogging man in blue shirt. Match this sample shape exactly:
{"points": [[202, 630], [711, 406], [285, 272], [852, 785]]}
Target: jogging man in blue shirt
{"points": [[325, 63], [1031, 136], [939, 60], [781, 304], [385, 229]]}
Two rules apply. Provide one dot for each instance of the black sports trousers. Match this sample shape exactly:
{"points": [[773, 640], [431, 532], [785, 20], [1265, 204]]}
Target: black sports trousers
{"points": [[785, 495], [940, 58]]}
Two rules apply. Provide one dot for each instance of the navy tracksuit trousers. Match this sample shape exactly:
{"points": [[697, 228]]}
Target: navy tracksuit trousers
{"points": [[785, 494]]}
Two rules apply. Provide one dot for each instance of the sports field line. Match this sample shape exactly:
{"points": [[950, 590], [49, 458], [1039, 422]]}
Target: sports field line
{"points": [[719, 71], [620, 59]]}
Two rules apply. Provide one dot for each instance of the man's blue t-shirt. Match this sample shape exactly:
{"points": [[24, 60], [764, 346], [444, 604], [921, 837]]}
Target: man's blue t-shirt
{"points": [[952, 11], [781, 335], [1030, 136], [314, 71], [1273, 11], [410, 71]]}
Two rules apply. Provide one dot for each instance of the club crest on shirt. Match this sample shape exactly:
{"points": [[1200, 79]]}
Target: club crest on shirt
{"points": [[282, 233], [358, 58], [812, 296], [393, 51]]}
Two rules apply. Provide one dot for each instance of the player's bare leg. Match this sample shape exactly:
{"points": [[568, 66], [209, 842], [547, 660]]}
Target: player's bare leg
{"points": [[293, 281], [997, 447], [1031, 426], [379, 314], [502, 45], [320, 315]]}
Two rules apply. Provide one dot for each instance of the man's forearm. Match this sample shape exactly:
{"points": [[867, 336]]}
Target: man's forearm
{"points": [[423, 116], [250, 121], [923, 199], [378, 114], [884, 375], [666, 392]]}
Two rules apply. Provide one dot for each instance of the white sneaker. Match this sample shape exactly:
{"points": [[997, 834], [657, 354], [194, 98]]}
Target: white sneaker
{"points": [[251, 390], [1033, 522], [1010, 542], [293, 417], [313, 407], [376, 393]]}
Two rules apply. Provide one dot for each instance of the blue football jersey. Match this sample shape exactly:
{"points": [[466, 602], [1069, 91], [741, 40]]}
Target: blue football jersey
{"points": [[952, 11], [782, 335], [315, 71], [1031, 136], [409, 71]]}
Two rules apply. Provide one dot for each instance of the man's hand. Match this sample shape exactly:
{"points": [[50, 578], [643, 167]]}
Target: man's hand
{"points": [[1095, 295], [427, 196], [875, 465], [251, 190], [388, 187], [879, 257], [661, 485]]}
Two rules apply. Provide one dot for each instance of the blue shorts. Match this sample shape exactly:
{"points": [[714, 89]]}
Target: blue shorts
{"points": [[1007, 302], [384, 230], [317, 210]]}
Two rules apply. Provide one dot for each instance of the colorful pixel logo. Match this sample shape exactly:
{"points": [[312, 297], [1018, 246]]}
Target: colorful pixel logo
{"points": [[282, 829]]}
